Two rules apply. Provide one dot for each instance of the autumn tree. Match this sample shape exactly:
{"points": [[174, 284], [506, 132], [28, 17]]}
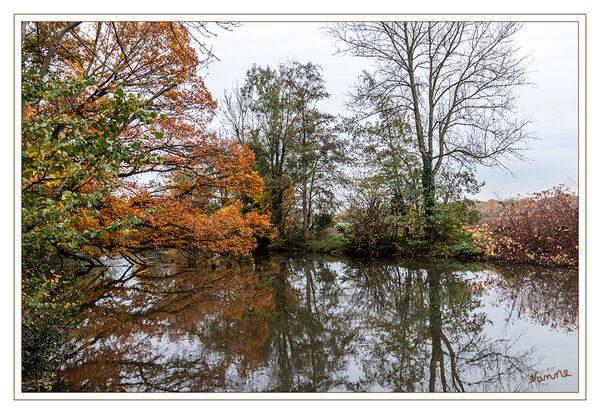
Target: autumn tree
{"points": [[202, 207], [453, 82], [155, 61], [155, 64], [272, 134], [69, 168]]}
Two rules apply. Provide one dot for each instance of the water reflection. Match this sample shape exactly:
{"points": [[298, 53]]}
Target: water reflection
{"points": [[314, 330], [318, 324], [545, 296], [168, 329]]}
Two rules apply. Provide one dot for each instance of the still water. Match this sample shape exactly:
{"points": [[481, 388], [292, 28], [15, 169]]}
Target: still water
{"points": [[319, 324]]}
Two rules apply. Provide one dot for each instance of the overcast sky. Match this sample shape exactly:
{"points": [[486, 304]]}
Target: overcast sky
{"points": [[551, 103]]}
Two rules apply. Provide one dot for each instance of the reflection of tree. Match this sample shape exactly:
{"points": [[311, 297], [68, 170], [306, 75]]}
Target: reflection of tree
{"points": [[392, 304], [433, 307], [312, 332], [168, 329], [471, 360], [308, 324], [549, 296]]}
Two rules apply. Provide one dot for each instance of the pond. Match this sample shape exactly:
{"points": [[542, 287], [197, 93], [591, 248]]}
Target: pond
{"points": [[324, 324]]}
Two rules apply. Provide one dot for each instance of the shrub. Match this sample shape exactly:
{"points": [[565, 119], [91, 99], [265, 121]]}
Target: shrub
{"points": [[292, 240], [322, 221], [369, 223], [48, 305], [450, 219], [542, 228], [450, 239], [464, 249]]}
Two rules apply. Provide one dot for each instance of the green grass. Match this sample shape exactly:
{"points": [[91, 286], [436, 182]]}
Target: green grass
{"points": [[328, 243]]}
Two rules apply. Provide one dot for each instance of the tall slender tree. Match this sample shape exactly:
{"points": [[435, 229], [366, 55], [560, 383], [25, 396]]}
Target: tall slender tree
{"points": [[276, 114], [317, 144]]}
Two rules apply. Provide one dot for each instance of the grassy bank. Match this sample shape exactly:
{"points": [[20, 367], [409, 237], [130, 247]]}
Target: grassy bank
{"points": [[339, 243]]}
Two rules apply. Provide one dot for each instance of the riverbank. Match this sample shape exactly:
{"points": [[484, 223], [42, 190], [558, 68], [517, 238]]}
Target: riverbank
{"points": [[463, 248]]}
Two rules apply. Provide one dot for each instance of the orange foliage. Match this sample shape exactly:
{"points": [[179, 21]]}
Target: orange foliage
{"points": [[199, 209], [176, 223]]}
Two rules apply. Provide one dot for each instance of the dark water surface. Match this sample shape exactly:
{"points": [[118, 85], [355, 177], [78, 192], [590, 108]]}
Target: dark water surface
{"points": [[317, 323]]}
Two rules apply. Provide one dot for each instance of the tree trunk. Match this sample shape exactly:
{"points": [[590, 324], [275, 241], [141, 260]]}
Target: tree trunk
{"points": [[428, 197], [277, 208], [304, 202]]}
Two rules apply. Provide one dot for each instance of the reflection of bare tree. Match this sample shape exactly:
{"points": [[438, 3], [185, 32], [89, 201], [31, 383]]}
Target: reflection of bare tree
{"points": [[433, 307], [549, 296], [469, 358], [168, 329]]}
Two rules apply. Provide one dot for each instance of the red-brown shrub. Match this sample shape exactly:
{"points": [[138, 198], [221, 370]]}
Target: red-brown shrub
{"points": [[542, 228]]}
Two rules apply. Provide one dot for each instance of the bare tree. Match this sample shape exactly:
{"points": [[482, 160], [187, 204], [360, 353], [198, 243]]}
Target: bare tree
{"points": [[455, 83], [235, 115]]}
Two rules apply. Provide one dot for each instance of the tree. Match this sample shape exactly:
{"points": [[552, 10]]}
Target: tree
{"points": [[540, 228], [155, 61], [69, 167], [387, 160], [454, 81], [387, 152], [276, 114], [270, 102], [93, 93], [202, 209], [318, 146]]}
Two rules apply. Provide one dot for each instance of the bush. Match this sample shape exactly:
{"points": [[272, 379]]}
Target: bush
{"points": [[543, 228], [48, 305], [464, 249], [412, 246], [321, 222], [450, 219], [450, 239], [369, 223], [293, 240]]}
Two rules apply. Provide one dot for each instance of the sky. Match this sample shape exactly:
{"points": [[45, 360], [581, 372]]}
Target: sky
{"points": [[551, 103]]}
